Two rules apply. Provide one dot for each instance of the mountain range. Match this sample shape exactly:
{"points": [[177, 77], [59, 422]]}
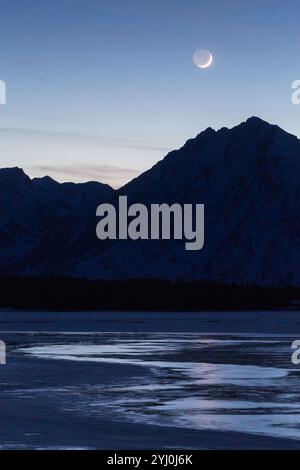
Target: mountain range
{"points": [[247, 177]]}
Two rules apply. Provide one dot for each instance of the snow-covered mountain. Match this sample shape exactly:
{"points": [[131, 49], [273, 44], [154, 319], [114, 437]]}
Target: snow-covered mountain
{"points": [[41, 221], [247, 177]]}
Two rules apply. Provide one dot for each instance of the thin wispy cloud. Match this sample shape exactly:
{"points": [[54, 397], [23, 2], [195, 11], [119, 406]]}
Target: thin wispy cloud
{"points": [[78, 157], [109, 174], [91, 139]]}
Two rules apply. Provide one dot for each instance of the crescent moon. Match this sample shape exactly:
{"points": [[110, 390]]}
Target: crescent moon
{"points": [[202, 58], [208, 63]]}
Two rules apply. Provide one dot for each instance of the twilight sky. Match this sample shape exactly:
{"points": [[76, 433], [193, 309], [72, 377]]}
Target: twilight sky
{"points": [[103, 89]]}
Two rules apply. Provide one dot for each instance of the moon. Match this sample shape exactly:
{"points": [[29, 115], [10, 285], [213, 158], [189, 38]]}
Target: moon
{"points": [[202, 58]]}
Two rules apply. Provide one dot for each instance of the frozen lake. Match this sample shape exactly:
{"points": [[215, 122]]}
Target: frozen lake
{"points": [[118, 380]]}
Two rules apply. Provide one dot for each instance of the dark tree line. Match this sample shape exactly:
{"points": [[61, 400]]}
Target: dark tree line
{"points": [[143, 294]]}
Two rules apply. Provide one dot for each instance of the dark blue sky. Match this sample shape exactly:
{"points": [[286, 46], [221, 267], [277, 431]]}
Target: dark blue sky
{"points": [[101, 89]]}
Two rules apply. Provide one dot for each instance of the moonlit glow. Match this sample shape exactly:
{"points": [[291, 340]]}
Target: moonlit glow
{"points": [[202, 58]]}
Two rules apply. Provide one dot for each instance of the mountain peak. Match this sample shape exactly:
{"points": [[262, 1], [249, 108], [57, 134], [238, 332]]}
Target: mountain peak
{"points": [[45, 181], [256, 121], [12, 171], [13, 176], [257, 126], [252, 122]]}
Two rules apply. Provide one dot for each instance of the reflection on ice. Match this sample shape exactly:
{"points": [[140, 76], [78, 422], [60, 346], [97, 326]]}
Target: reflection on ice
{"points": [[225, 382]]}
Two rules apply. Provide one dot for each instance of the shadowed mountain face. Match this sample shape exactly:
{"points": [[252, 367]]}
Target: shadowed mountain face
{"points": [[247, 178], [42, 220]]}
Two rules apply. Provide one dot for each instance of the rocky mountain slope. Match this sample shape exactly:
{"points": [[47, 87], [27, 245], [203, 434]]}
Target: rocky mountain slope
{"points": [[247, 178]]}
